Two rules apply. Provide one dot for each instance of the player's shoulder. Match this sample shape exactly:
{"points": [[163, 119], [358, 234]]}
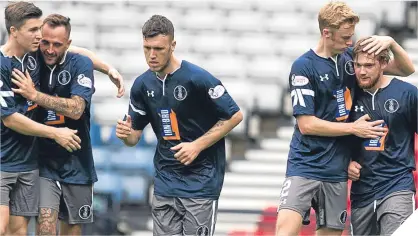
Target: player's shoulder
{"points": [[401, 85], [141, 79], [6, 63], [79, 60], [304, 61], [195, 73]]}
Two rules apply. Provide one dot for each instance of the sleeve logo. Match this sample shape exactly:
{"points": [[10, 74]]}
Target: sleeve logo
{"points": [[4, 94], [64, 77], [297, 96], [216, 92], [84, 81], [299, 80]]}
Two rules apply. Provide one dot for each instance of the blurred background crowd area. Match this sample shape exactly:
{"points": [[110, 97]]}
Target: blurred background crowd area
{"points": [[250, 46]]}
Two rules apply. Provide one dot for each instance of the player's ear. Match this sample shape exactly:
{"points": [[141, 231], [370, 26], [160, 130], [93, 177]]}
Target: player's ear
{"points": [[326, 33], [173, 44], [13, 31]]}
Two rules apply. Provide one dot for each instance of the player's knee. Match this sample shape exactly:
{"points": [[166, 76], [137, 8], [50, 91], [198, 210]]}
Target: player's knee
{"points": [[328, 232], [18, 230], [3, 229], [287, 223]]}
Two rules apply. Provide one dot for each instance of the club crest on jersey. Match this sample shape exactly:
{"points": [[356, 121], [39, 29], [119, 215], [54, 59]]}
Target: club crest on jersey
{"points": [[84, 81], [298, 80], [84, 212], [31, 63], [203, 230], [180, 93], [349, 67], [391, 105], [64, 77], [216, 92]]}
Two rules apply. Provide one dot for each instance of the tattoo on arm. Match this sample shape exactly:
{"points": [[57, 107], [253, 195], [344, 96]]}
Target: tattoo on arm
{"points": [[216, 127], [47, 222], [70, 107]]}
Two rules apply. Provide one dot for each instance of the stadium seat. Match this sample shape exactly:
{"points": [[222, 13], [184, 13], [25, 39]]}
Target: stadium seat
{"points": [[133, 160], [109, 111], [245, 21], [232, 5], [121, 40], [135, 189], [202, 20], [109, 183], [268, 98], [226, 66], [133, 62], [291, 24], [211, 44], [84, 37], [110, 18], [101, 156], [269, 70], [294, 47], [242, 91], [256, 45]]}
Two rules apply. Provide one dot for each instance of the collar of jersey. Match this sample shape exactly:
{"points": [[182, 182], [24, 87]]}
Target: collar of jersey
{"points": [[165, 77], [63, 58], [20, 60]]}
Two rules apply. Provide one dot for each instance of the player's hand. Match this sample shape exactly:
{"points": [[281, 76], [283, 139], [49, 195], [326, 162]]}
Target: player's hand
{"points": [[354, 171], [186, 152], [26, 88], [364, 129], [67, 138], [117, 79], [124, 128], [375, 44]]}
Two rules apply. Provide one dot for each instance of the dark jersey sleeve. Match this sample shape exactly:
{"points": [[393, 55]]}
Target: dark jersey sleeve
{"points": [[216, 96], [413, 109], [7, 99], [83, 84], [137, 109], [302, 88]]}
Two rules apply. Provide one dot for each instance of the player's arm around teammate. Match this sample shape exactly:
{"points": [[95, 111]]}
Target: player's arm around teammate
{"points": [[103, 67]]}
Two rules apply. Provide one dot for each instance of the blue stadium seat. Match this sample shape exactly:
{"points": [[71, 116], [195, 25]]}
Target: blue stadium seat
{"points": [[132, 161], [135, 189]]}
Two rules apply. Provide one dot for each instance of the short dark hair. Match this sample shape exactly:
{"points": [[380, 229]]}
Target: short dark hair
{"points": [[55, 20], [383, 56], [17, 13], [156, 25]]}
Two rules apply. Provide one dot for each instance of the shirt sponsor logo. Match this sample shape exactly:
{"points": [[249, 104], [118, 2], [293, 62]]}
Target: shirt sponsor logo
{"points": [[169, 124], [376, 144], [344, 103]]}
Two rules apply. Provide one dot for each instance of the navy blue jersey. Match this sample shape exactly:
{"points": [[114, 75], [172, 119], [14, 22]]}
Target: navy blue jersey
{"points": [[18, 152], [388, 161], [181, 108], [73, 76], [321, 87]]}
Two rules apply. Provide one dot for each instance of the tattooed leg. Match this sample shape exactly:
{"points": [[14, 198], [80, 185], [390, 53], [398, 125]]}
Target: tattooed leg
{"points": [[47, 221]]}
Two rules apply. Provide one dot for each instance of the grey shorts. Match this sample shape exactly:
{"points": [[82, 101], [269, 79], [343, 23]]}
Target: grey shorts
{"points": [[328, 199], [183, 216], [384, 216], [20, 191], [73, 202]]}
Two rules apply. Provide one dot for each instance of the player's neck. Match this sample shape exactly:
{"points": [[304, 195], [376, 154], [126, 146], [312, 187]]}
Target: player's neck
{"points": [[173, 65], [12, 48], [383, 82], [323, 50]]}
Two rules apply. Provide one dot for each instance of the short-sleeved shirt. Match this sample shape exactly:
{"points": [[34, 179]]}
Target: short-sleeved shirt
{"points": [[18, 152], [73, 76], [387, 162], [324, 88], [182, 108]]}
